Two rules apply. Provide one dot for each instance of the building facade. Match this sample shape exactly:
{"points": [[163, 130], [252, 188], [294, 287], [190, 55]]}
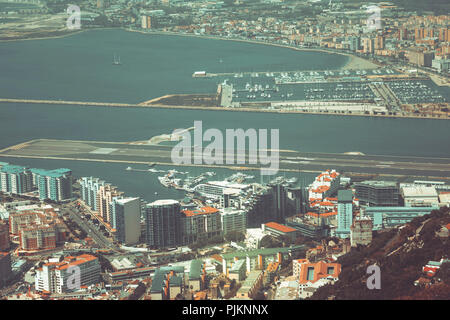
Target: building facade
{"points": [[55, 277], [386, 217], [55, 184], [89, 190], [361, 231], [419, 196], [378, 193], [163, 224], [15, 179], [5, 268], [233, 220], [38, 230], [4, 236], [345, 213], [200, 225], [125, 219]]}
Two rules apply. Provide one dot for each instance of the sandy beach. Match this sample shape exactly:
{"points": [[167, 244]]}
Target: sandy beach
{"points": [[354, 62]]}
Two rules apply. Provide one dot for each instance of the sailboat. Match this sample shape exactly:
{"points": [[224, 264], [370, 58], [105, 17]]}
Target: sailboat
{"points": [[116, 61]]}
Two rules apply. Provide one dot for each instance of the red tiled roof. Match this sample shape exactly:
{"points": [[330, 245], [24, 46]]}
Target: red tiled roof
{"points": [[322, 215], [320, 271], [279, 227], [71, 261], [204, 210]]}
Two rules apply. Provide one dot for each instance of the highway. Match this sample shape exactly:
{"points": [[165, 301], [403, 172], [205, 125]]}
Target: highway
{"points": [[289, 160]]}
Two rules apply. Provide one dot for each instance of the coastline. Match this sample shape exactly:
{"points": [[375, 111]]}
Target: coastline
{"points": [[354, 62], [66, 34]]}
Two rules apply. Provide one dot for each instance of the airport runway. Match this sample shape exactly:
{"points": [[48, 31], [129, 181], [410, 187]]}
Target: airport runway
{"points": [[288, 160]]}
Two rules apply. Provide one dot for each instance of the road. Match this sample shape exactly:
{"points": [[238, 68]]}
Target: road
{"points": [[89, 228]]}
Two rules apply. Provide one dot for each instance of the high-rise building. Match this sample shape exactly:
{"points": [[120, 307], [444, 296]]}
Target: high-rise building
{"points": [[377, 193], [443, 34], [200, 224], [54, 276], [5, 268], [105, 195], [420, 58], [125, 219], [368, 45], [229, 197], [233, 220], [345, 213], [261, 207], [280, 201], [89, 188], [295, 200], [419, 33], [355, 43], [55, 184], [379, 42], [4, 236], [146, 22], [428, 33], [15, 179], [163, 223], [403, 34]]}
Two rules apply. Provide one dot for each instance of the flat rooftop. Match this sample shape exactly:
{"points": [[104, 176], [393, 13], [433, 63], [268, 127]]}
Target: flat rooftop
{"points": [[419, 191]]}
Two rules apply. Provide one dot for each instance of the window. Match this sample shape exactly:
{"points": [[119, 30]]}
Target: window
{"points": [[330, 270], [310, 274]]}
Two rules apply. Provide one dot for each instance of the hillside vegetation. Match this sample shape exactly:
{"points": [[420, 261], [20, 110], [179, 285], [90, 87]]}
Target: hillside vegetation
{"points": [[400, 253]]}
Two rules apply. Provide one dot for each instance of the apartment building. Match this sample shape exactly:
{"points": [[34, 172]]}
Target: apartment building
{"points": [[55, 277]]}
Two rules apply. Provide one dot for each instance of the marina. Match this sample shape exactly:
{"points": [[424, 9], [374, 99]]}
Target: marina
{"points": [[353, 86]]}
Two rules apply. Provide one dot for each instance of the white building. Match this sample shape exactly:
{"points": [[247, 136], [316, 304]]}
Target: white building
{"points": [[415, 196], [324, 185], [253, 237], [215, 189], [125, 218], [233, 220], [55, 276]]}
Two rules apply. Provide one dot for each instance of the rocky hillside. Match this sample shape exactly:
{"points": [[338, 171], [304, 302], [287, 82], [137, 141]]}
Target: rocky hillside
{"points": [[400, 253]]}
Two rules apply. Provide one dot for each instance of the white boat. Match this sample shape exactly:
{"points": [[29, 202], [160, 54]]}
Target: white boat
{"points": [[116, 61], [164, 181]]}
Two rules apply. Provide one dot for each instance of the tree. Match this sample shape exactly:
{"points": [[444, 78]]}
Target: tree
{"points": [[270, 242], [444, 273], [235, 236]]}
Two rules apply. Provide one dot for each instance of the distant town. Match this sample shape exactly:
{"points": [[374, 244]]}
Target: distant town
{"points": [[398, 64]]}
